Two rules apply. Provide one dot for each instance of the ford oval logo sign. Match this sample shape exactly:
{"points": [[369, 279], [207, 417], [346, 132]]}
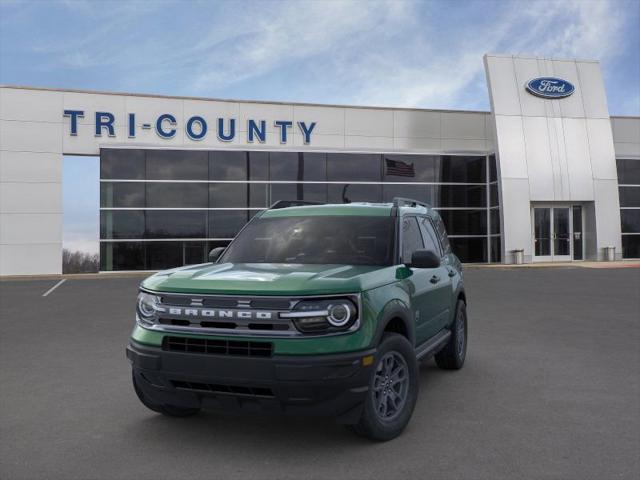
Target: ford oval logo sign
{"points": [[550, 87]]}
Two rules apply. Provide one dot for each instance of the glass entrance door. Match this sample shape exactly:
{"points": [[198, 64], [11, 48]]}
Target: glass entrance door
{"points": [[557, 233]]}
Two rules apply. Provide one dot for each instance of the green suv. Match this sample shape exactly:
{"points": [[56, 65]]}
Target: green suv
{"points": [[312, 309]]}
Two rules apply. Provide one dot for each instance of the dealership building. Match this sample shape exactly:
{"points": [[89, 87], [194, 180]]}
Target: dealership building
{"points": [[546, 175]]}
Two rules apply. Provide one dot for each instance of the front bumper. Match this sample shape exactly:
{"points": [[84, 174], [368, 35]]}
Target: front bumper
{"points": [[322, 385]]}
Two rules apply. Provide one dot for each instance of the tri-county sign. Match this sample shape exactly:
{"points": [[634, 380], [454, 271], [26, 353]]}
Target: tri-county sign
{"points": [[550, 87], [196, 127]]}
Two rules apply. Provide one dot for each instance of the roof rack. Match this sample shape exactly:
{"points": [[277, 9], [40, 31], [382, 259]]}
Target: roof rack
{"points": [[292, 203], [408, 202]]}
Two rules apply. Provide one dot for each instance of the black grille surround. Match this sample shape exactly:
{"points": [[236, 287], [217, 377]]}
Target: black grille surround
{"points": [[210, 346], [228, 389]]}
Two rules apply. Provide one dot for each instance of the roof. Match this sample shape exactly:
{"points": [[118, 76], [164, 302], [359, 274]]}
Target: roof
{"points": [[361, 209]]}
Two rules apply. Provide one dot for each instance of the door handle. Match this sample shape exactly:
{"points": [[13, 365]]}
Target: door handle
{"points": [[435, 279], [452, 272]]}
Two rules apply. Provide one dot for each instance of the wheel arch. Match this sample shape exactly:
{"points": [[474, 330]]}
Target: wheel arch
{"points": [[396, 317]]}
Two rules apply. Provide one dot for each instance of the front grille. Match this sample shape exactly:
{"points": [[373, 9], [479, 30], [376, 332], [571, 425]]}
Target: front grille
{"points": [[229, 389], [208, 301], [218, 347]]}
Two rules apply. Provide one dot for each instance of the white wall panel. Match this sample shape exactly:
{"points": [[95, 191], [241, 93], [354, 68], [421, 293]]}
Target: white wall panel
{"points": [[30, 105], [31, 259], [19, 228], [607, 209], [626, 130], [503, 86], [539, 164], [320, 142], [513, 163], [525, 70], [417, 124], [517, 218], [578, 159], [465, 126], [423, 144], [30, 167], [268, 112], [369, 122], [601, 149], [30, 197], [592, 84], [21, 136], [368, 143], [460, 145]]}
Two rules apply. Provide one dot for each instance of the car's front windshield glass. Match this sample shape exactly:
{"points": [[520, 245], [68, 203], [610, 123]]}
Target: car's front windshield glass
{"points": [[350, 240]]}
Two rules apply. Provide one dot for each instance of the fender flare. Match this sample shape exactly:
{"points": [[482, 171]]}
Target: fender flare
{"points": [[395, 309]]}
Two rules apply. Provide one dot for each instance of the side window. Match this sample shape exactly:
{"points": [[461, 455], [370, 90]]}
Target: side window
{"points": [[430, 238], [411, 238], [442, 233]]}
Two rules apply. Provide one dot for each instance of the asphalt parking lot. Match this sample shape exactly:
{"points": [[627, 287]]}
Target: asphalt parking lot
{"points": [[551, 389]]}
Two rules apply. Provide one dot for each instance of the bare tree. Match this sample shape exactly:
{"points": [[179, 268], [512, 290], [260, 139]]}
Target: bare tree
{"points": [[79, 262]]}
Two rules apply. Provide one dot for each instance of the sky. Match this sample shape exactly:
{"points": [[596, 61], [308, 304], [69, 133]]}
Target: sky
{"points": [[385, 53]]}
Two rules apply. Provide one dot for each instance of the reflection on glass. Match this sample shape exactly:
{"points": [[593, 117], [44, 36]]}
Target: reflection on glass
{"points": [[122, 256], [630, 221], [542, 231], [577, 232], [354, 167], [177, 195], [118, 195], [177, 165], [353, 192], [465, 222], [561, 232], [628, 171], [226, 223], [473, 250], [121, 224], [122, 164], [176, 224]]}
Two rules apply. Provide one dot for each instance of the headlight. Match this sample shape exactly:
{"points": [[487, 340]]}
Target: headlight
{"points": [[323, 316], [146, 307]]}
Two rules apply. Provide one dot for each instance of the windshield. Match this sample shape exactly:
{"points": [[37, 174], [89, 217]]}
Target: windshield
{"points": [[350, 240]]}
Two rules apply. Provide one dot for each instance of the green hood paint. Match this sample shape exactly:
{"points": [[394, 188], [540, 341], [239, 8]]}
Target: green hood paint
{"points": [[271, 279]]}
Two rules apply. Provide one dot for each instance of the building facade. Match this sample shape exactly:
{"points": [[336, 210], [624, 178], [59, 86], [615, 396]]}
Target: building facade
{"points": [[547, 172]]}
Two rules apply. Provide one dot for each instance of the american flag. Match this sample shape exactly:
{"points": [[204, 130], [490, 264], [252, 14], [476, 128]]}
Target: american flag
{"points": [[399, 168]]}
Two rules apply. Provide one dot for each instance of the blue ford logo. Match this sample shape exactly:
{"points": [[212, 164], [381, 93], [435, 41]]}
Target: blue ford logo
{"points": [[550, 87]]}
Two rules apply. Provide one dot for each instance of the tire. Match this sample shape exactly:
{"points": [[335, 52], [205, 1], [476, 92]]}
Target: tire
{"points": [[452, 356], [168, 410], [382, 419]]}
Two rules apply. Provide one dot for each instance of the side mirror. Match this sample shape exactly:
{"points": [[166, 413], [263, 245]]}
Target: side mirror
{"points": [[215, 254], [424, 259]]}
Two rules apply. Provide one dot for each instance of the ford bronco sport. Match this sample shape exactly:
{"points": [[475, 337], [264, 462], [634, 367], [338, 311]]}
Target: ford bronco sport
{"points": [[312, 309]]}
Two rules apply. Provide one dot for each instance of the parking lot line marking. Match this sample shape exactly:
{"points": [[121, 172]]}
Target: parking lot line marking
{"points": [[54, 287]]}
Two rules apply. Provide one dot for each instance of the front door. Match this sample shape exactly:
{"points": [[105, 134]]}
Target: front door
{"points": [[557, 233]]}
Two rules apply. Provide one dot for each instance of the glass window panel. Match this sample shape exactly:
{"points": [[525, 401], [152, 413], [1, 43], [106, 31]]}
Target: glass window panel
{"points": [[415, 192], [195, 252], [493, 169], [226, 165], [309, 192], [471, 250], [630, 221], [630, 246], [443, 196], [361, 167], [465, 222], [494, 217], [122, 256], [288, 166], [163, 255], [176, 224], [350, 192], [411, 238], [429, 236], [122, 195], [628, 171], [125, 164], [177, 195], [227, 223], [462, 169], [494, 198], [228, 195], [410, 168], [177, 165], [629, 196], [258, 166], [258, 195], [496, 252], [121, 224], [442, 233]]}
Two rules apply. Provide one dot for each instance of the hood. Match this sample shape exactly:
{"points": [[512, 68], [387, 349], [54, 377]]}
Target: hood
{"points": [[270, 279]]}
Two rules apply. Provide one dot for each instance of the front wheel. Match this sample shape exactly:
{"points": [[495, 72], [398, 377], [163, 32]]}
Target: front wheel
{"points": [[452, 356], [393, 390]]}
